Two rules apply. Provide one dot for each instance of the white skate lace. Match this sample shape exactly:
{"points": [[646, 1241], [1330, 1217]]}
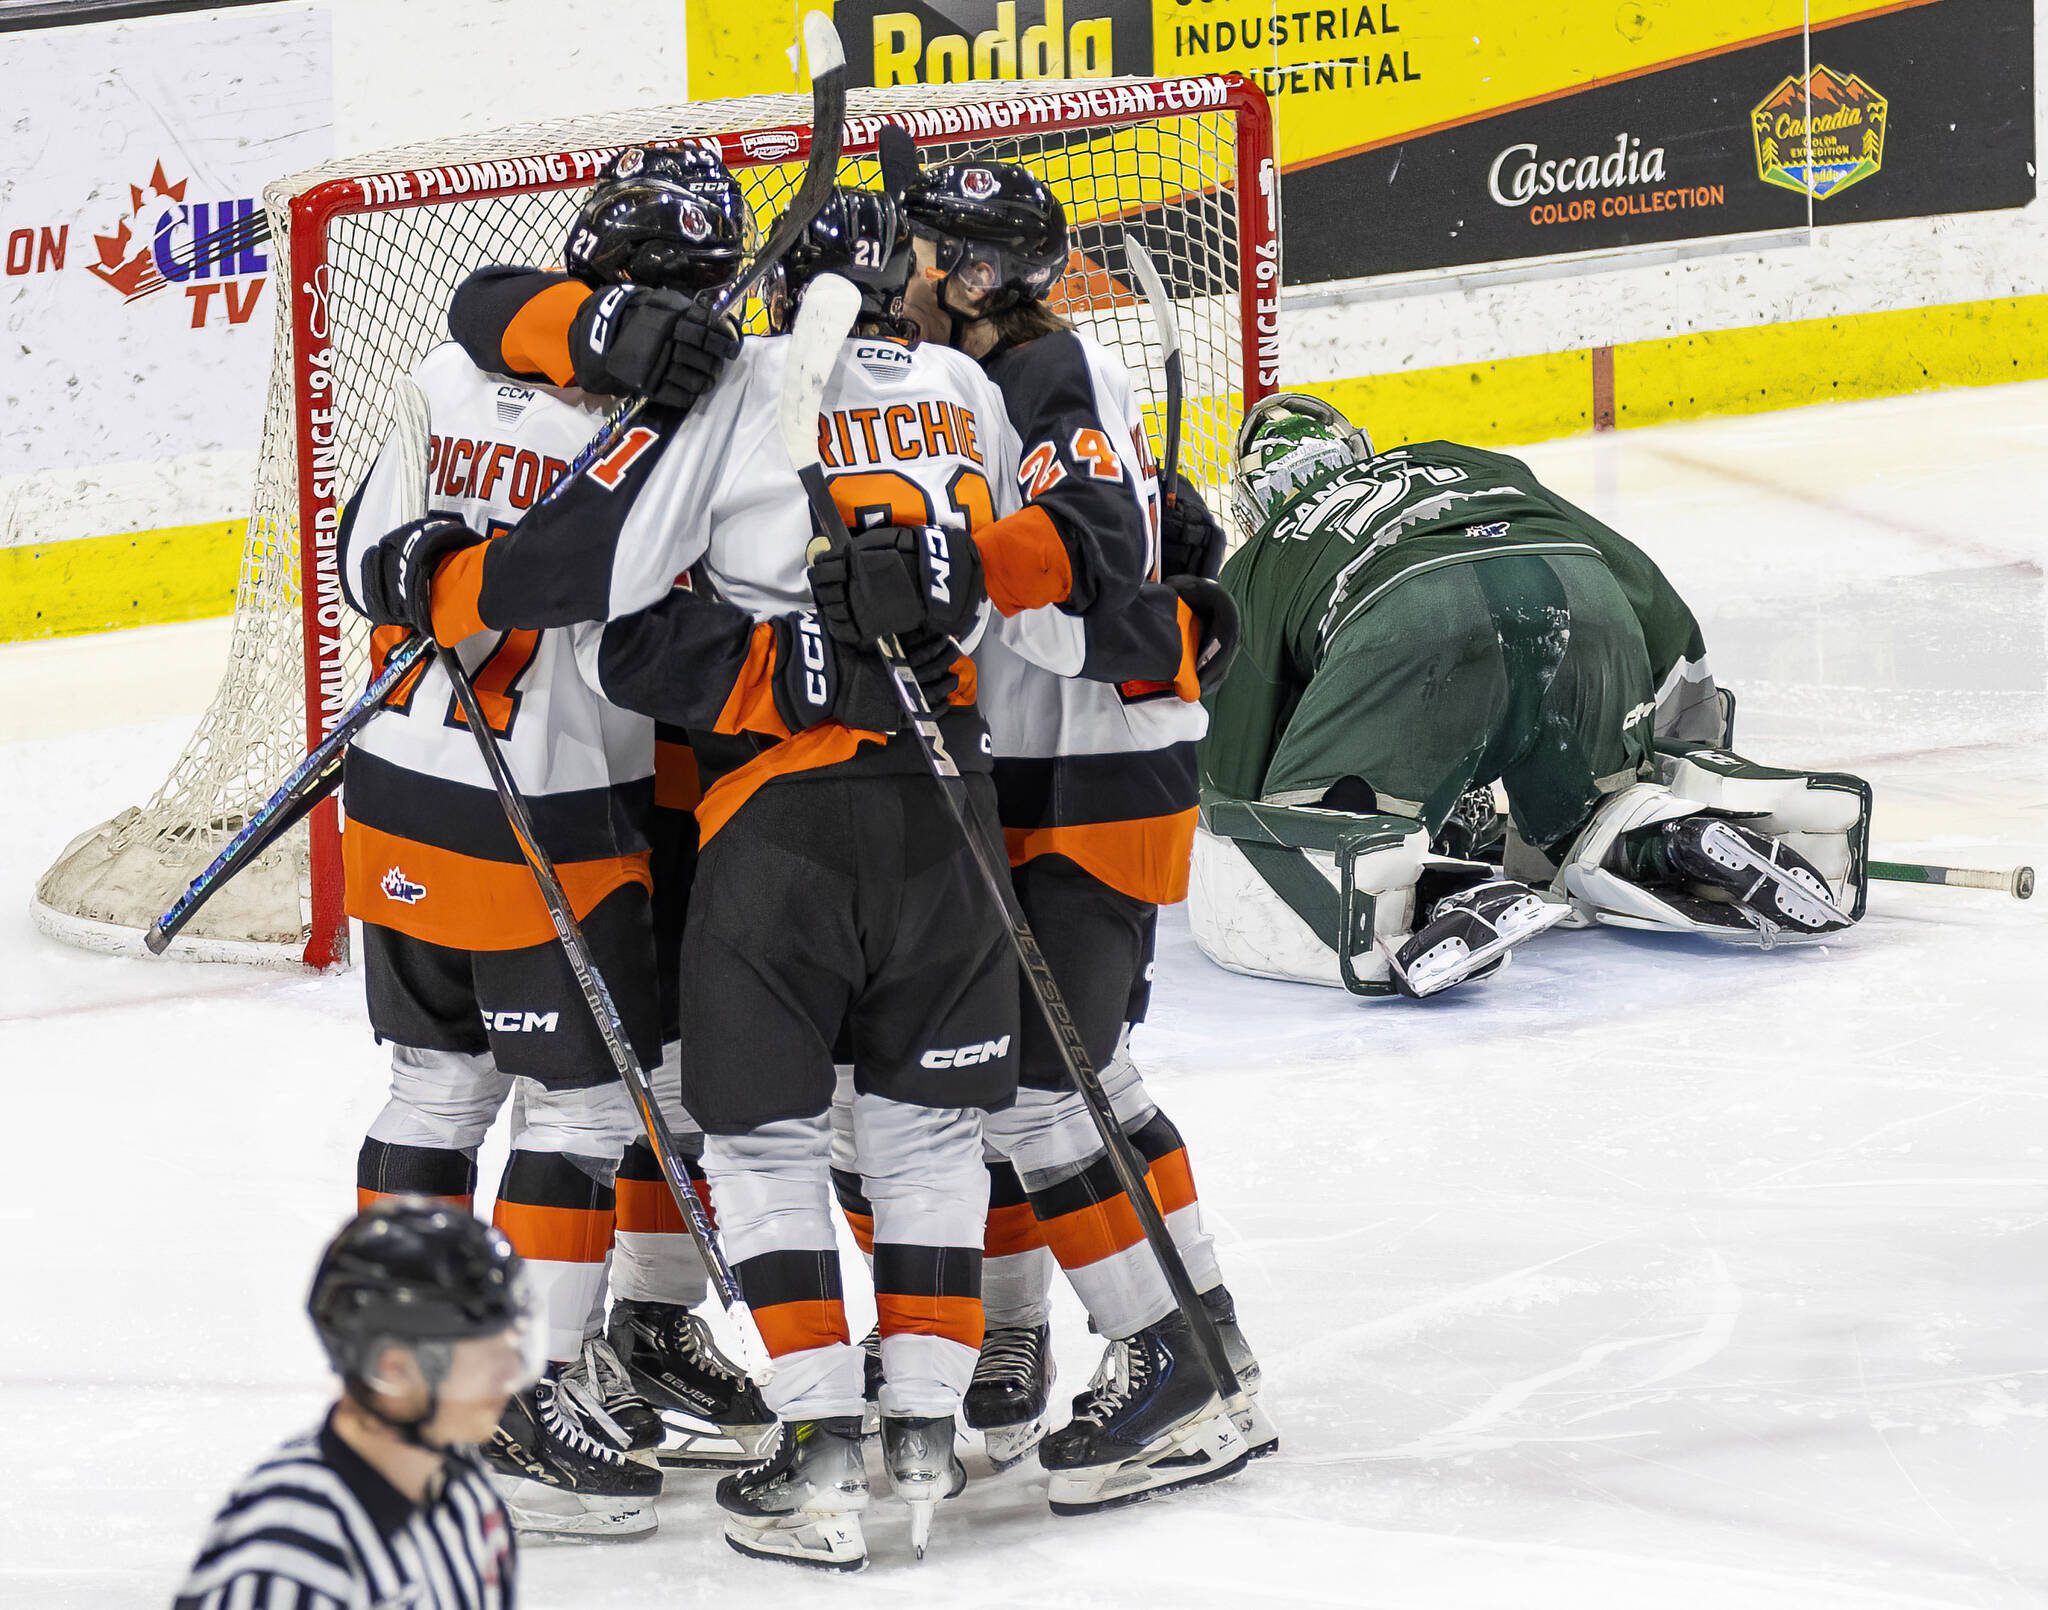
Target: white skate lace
{"points": [[1009, 1356], [559, 1411], [695, 1339], [1123, 1371]]}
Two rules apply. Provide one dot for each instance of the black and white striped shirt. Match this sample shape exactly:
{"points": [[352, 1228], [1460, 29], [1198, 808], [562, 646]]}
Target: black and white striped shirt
{"points": [[315, 1527]]}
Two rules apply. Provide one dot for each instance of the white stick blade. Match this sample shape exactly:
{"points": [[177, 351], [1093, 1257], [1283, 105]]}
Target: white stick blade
{"points": [[822, 52], [823, 322], [409, 428], [1155, 292]]}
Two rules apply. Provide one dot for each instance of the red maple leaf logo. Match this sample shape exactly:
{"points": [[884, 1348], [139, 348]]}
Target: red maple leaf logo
{"points": [[129, 268]]}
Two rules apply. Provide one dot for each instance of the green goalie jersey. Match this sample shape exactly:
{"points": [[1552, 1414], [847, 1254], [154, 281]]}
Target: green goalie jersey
{"points": [[1343, 544]]}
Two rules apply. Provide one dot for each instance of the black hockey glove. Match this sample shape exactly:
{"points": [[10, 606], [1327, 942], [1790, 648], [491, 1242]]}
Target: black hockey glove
{"points": [[1191, 540], [650, 342], [817, 679], [398, 573], [1215, 612], [893, 581]]}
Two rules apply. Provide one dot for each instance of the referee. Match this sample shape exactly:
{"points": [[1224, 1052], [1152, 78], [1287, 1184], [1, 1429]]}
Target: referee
{"points": [[426, 1317]]}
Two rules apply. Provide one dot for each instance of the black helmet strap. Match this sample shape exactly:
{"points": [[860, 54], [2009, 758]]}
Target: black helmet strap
{"points": [[434, 1359]]}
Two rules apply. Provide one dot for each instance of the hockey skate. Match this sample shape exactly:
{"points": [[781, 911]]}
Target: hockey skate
{"points": [[1148, 1424], [803, 1505], [1261, 1436], [1773, 886], [1006, 1400], [923, 1468], [562, 1475], [598, 1373], [710, 1415], [1469, 935]]}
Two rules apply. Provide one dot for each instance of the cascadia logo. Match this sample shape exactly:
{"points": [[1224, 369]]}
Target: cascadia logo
{"points": [[397, 886], [1522, 174], [966, 1056], [1820, 134]]}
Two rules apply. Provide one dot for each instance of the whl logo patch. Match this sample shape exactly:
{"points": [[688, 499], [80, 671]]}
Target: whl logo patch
{"points": [[397, 886]]}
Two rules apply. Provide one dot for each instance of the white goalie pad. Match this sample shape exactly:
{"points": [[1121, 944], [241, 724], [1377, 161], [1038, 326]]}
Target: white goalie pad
{"points": [[1824, 816], [1306, 895]]}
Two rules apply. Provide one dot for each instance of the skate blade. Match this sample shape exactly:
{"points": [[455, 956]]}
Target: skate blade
{"points": [[1798, 903], [543, 1514], [1207, 1451], [706, 1447], [1261, 1436], [1435, 974], [1005, 1445], [817, 1542]]}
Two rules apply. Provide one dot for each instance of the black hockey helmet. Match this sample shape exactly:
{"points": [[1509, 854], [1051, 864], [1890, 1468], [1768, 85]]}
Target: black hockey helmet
{"points": [[423, 1275], [661, 215], [1000, 231], [860, 235]]}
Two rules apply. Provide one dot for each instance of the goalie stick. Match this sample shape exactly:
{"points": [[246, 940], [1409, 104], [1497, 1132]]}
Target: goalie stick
{"points": [[2016, 881], [823, 322], [318, 774]]}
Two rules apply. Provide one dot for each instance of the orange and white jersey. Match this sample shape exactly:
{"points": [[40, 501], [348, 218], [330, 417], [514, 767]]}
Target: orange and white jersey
{"points": [[908, 435], [1093, 707], [426, 847]]}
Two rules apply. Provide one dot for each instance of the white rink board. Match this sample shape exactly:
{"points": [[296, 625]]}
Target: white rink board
{"points": [[1647, 1275]]}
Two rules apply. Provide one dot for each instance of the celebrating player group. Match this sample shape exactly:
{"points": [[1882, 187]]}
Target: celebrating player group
{"points": [[689, 674]]}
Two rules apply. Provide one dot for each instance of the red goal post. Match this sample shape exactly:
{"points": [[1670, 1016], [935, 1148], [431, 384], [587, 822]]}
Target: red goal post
{"points": [[374, 246]]}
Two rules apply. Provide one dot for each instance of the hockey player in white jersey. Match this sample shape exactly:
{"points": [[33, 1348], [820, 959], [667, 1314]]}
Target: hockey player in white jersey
{"points": [[832, 895], [465, 979], [1090, 680]]}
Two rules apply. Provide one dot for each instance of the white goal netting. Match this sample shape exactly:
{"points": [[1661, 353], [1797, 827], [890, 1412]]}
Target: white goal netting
{"points": [[375, 245]]}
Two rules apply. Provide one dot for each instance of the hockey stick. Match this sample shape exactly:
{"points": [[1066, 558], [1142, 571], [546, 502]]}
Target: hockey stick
{"points": [[823, 323], [1149, 276], [2016, 881], [410, 406], [308, 782], [896, 152]]}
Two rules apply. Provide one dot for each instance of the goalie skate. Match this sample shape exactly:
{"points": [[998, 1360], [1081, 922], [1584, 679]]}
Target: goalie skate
{"points": [[1470, 934], [1006, 1401], [803, 1504], [1775, 887], [712, 1415], [1148, 1425]]}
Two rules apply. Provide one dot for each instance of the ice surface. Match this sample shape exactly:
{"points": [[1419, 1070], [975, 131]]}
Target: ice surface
{"points": [[1646, 1275]]}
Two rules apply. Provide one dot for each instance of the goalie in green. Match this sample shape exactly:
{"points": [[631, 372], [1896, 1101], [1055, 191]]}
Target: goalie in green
{"points": [[1421, 623]]}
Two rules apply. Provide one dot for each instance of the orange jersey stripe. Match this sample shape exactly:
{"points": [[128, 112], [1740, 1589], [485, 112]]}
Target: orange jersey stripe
{"points": [[676, 785], [468, 903], [797, 1327], [537, 340], [646, 1207], [553, 1234], [1146, 858], [458, 591], [366, 1198], [863, 1227], [810, 750], [957, 1319], [1090, 1234], [1024, 564], [1172, 1181], [1011, 1230], [1186, 683]]}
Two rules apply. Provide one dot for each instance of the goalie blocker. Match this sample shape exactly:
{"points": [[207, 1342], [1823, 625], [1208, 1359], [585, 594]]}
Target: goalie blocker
{"points": [[1320, 896]]}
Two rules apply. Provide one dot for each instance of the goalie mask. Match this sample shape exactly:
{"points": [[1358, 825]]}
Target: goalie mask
{"points": [[665, 216], [1287, 442]]}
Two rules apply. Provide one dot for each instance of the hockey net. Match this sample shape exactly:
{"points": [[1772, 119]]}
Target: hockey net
{"points": [[375, 246]]}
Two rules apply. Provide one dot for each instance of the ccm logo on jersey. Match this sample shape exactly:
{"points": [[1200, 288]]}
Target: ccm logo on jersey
{"points": [[521, 1022], [966, 1056], [397, 886]]}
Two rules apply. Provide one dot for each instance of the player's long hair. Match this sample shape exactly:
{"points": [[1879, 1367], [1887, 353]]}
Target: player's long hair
{"points": [[1027, 321]]}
